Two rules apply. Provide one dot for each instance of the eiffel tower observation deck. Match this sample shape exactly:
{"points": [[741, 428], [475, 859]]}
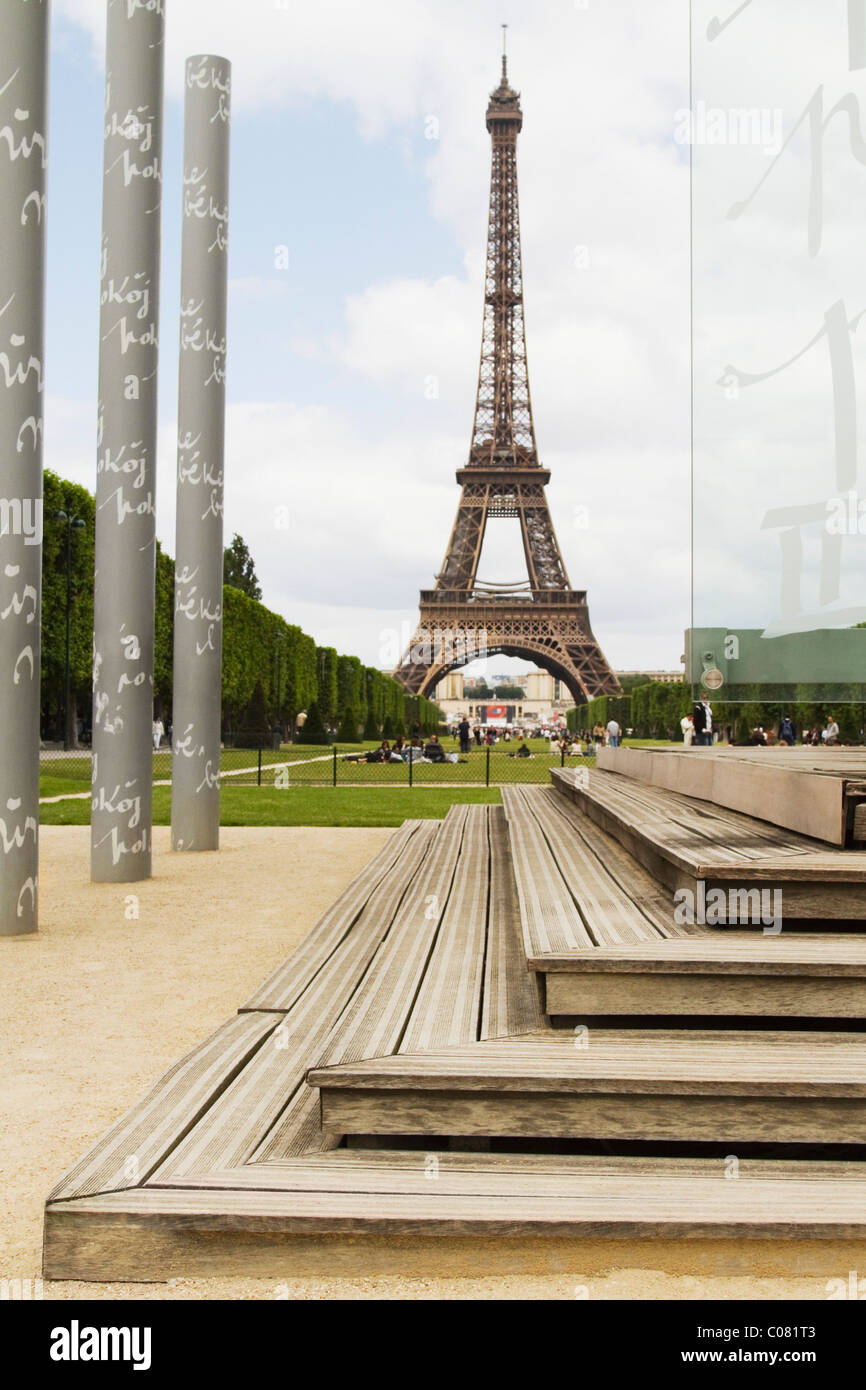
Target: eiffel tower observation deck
{"points": [[540, 618]]}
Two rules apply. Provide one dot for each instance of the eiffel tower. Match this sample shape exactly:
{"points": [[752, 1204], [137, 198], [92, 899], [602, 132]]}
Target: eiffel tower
{"points": [[541, 619]]}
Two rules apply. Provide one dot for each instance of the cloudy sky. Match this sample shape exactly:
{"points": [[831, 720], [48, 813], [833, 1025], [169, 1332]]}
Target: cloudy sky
{"points": [[358, 143]]}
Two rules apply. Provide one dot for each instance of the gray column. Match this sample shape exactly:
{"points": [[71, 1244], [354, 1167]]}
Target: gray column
{"points": [[126, 451], [23, 102], [196, 695]]}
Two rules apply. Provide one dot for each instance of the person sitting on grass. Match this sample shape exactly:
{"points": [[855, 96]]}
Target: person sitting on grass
{"points": [[523, 751], [433, 750]]}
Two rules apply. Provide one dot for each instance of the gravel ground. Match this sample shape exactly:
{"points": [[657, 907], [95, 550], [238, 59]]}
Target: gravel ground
{"points": [[100, 1002]]}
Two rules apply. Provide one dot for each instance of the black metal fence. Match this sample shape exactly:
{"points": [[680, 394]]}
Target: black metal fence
{"points": [[67, 773]]}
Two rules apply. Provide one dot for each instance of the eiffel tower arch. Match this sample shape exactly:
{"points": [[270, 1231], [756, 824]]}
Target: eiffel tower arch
{"points": [[541, 619]]}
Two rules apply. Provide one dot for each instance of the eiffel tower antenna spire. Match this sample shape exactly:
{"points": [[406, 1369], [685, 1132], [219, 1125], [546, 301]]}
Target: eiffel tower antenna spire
{"points": [[541, 619]]}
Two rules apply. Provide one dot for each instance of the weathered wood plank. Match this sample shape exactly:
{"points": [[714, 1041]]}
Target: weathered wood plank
{"points": [[668, 994], [448, 1004], [533, 1114], [688, 1085], [506, 1174], [750, 1234], [736, 1062], [798, 789], [548, 914], [155, 1233], [133, 1147], [373, 1022], [817, 885], [611, 915], [793, 954], [640, 885], [242, 1117], [285, 985], [512, 996]]}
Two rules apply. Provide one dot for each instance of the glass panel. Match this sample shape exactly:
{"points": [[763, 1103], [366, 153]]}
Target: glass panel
{"points": [[777, 138]]}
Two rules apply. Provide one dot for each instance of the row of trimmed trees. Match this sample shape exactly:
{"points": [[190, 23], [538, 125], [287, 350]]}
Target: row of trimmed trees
{"points": [[654, 710], [355, 701], [272, 671]]}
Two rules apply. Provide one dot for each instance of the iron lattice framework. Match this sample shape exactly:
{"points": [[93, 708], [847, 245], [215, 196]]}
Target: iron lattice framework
{"points": [[543, 619]]}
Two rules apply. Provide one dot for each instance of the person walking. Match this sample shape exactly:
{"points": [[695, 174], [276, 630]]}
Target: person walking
{"points": [[703, 717], [463, 731], [158, 731], [786, 731], [613, 733], [830, 734], [687, 724]]}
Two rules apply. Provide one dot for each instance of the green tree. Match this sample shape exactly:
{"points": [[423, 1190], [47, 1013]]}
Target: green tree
{"points": [[163, 649], [630, 683], [254, 729], [348, 730], [352, 687], [76, 502], [326, 675], [238, 568]]}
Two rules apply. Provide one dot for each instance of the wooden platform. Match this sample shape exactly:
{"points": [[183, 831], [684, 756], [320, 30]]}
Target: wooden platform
{"points": [[687, 1086], [684, 842], [819, 792], [600, 932], [421, 969], [381, 1212]]}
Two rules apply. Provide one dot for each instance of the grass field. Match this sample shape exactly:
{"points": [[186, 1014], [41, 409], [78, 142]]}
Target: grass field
{"points": [[298, 805], [69, 773]]}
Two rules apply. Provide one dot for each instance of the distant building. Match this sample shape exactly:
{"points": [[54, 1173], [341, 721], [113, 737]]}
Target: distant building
{"points": [[546, 700], [653, 675]]}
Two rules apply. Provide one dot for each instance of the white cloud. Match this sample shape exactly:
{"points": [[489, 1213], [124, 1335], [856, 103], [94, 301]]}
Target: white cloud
{"points": [[604, 206]]}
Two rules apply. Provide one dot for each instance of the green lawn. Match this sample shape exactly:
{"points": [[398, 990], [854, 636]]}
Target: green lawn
{"points": [[298, 805], [314, 766]]}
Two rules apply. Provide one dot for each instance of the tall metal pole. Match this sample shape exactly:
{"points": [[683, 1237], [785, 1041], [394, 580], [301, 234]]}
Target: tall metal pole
{"points": [[23, 120], [68, 631], [120, 845], [197, 703]]}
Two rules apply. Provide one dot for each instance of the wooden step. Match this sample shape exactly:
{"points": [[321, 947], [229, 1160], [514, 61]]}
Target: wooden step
{"points": [[743, 976], [690, 844], [360, 1213], [689, 1085], [616, 949], [819, 792]]}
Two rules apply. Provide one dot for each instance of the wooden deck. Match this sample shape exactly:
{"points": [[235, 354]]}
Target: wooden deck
{"points": [[684, 842], [819, 792], [421, 1005], [600, 933]]}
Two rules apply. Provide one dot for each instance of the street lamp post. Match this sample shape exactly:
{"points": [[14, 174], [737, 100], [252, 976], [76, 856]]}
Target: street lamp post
{"points": [[71, 523]]}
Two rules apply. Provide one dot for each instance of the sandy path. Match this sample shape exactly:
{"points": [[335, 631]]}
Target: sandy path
{"points": [[98, 1004]]}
